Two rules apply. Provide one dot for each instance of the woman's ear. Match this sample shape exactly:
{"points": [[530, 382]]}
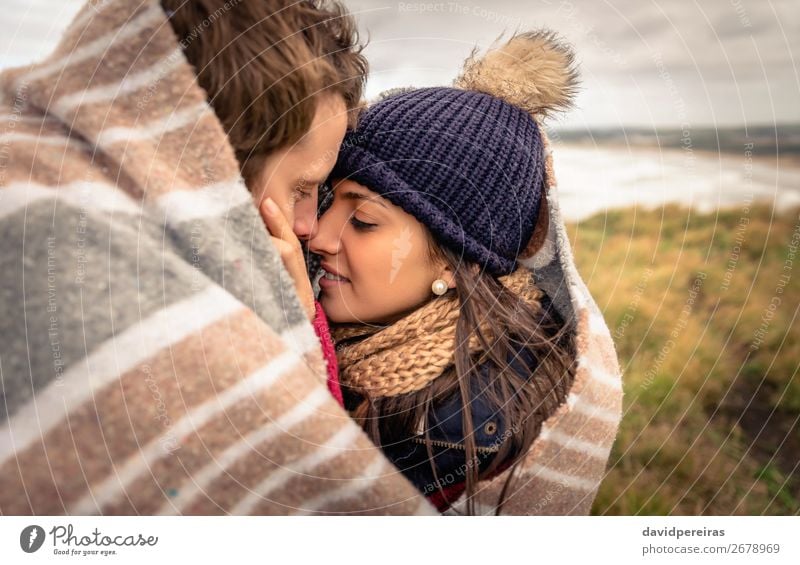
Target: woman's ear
{"points": [[449, 277], [451, 280]]}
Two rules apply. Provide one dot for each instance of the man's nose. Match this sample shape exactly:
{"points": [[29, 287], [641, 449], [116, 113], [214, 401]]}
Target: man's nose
{"points": [[305, 227]]}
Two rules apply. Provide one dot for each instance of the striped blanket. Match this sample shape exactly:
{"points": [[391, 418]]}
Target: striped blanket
{"points": [[154, 356]]}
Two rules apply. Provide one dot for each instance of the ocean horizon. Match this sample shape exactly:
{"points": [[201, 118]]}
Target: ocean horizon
{"points": [[599, 170]]}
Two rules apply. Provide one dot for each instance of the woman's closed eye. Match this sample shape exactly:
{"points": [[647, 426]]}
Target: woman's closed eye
{"points": [[361, 226]]}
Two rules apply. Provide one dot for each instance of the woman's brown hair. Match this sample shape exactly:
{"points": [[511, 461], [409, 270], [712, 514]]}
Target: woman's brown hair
{"points": [[503, 323], [264, 65]]}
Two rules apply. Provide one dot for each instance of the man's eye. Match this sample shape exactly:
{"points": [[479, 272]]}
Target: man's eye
{"points": [[301, 194]]}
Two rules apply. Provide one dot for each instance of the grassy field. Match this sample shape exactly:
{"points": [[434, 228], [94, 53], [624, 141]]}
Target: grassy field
{"points": [[704, 312]]}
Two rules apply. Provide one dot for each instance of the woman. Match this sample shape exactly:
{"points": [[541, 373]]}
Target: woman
{"points": [[413, 341], [449, 354]]}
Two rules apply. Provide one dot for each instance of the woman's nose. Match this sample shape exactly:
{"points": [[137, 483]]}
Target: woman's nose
{"points": [[325, 239]]}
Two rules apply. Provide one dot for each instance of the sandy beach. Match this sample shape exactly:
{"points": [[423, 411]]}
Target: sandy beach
{"points": [[593, 179]]}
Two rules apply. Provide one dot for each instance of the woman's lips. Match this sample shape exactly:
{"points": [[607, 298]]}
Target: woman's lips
{"points": [[330, 279], [327, 283]]}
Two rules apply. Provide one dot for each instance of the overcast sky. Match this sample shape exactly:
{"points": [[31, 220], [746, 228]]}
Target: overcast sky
{"points": [[724, 62]]}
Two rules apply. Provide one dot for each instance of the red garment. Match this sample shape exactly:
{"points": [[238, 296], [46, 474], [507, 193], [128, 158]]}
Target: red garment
{"points": [[323, 332], [444, 498]]}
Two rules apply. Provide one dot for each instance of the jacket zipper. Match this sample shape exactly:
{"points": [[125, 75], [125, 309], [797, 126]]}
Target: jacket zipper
{"points": [[440, 443]]}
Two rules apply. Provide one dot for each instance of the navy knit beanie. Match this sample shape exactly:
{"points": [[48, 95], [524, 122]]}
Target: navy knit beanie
{"points": [[468, 162]]}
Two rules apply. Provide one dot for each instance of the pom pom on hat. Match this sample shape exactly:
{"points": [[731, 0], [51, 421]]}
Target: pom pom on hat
{"points": [[534, 71]]}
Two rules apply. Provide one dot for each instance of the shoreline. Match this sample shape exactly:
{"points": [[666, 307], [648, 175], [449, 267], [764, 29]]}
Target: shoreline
{"points": [[782, 160], [593, 178]]}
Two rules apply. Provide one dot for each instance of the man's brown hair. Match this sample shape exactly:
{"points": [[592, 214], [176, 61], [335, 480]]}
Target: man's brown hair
{"points": [[265, 63]]}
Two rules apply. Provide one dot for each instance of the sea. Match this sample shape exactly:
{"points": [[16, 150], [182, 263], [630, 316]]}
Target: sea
{"points": [[701, 168]]}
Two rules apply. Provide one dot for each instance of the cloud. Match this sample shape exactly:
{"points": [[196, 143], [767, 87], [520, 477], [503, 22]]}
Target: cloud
{"points": [[725, 61], [31, 28]]}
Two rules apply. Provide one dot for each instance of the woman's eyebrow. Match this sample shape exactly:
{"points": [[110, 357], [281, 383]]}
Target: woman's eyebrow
{"points": [[350, 195]]}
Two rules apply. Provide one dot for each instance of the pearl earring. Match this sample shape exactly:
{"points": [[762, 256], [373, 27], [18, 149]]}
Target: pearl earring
{"points": [[439, 287]]}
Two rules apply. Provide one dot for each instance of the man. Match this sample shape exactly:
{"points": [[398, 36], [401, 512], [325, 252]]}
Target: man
{"points": [[155, 357]]}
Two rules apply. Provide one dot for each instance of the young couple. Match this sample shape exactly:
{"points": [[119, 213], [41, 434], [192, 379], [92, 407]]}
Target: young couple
{"points": [[443, 347], [457, 332]]}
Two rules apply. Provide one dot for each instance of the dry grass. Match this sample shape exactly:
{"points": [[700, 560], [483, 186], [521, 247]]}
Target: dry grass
{"points": [[711, 405]]}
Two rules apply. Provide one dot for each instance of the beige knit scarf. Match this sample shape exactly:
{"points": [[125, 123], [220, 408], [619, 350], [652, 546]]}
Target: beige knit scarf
{"points": [[409, 354]]}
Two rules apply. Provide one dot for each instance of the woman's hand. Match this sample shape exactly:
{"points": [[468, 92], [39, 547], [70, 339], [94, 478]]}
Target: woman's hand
{"points": [[291, 252]]}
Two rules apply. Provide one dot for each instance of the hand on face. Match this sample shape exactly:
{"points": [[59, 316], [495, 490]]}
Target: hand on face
{"points": [[287, 244]]}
